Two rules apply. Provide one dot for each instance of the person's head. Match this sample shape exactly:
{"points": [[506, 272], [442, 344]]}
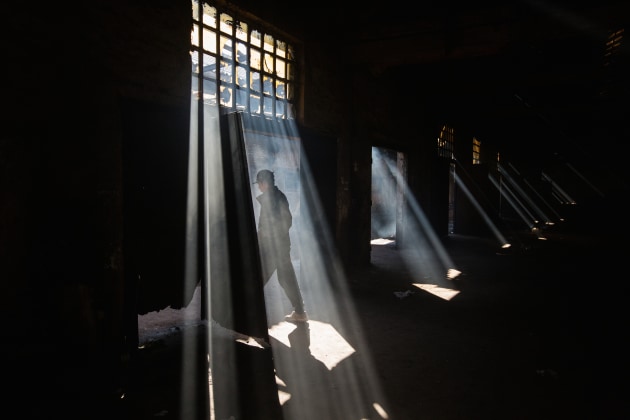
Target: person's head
{"points": [[265, 179]]}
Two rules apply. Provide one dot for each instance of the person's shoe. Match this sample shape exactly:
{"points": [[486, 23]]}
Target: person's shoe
{"points": [[296, 317]]}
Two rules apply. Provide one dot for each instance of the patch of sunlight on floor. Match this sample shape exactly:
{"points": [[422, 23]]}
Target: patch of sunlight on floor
{"points": [[281, 332], [381, 241], [441, 292], [326, 344]]}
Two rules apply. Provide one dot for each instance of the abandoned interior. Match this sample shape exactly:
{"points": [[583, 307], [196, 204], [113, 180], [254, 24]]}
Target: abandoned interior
{"points": [[455, 175]]}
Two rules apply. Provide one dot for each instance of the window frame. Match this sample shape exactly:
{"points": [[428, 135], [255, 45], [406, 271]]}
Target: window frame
{"points": [[261, 79]]}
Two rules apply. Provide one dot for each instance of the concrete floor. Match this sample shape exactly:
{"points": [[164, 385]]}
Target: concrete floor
{"points": [[536, 332]]}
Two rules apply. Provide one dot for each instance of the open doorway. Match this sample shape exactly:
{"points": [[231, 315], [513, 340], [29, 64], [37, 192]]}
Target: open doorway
{"points": [[388, 178]]}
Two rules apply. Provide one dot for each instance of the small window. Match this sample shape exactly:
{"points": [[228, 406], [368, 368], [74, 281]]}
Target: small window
{"points": [[476, 151], [613, 73], [445, 142]]}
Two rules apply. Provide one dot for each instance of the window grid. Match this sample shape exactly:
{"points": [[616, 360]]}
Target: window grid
{"points": [[445, 142], [476, 151], [613, 46], [612, 75], [256, 70]]}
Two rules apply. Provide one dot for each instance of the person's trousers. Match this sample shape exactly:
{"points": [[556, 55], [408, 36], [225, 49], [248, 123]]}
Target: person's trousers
{"points": [[280, 260]]}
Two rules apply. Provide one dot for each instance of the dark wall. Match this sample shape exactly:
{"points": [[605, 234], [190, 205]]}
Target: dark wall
{"points": [[320, 168], [62, 192], [155, 191]]}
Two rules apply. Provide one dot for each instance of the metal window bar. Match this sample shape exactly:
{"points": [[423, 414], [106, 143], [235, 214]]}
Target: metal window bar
{"points": [[227, 74]]}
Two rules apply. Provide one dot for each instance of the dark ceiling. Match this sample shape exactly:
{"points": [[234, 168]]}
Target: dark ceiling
{"points": [[521, 72], [529, 78], [528, 72]]}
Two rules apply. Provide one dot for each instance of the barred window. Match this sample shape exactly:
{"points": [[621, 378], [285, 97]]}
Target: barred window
{"points": [[614, 73], [476, 151], [445, 142], [240, 67]]}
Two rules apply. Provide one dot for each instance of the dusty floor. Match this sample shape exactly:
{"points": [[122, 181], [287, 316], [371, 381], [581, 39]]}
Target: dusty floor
{"points": [[537, 332]]}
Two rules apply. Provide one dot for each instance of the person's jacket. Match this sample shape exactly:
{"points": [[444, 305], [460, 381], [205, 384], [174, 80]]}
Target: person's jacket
{"points": [[275, 219]]}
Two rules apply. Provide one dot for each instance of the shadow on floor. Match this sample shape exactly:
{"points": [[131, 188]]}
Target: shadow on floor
{"points": [[534, 333]]}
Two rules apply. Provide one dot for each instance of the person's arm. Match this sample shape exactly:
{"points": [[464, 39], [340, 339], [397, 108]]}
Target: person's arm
{"points": [[285, 213]]}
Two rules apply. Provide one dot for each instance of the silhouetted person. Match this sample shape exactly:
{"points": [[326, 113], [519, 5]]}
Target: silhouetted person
{"points": [[274, 223]]}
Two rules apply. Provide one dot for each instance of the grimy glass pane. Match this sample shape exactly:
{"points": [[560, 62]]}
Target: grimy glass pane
{"points": [[280, 89], [280, 106], [267, 85], [209, 16], [226, 47], [280, 68], [241, 52], [209, 66], [226, 96], [268, 106], [210, 40], [194, 60], [210, 91], [241, 98], [254, 104], [241, 31], [268, 64], [254, 83], [290, 71], [226, 71], [281, 48], [269, 43], [226, 23], [290, 53], [194, 35], [255, 58], [256, 38], [241, 76], [290, 91]]}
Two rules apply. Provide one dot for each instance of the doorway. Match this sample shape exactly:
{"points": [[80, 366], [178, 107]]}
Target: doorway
{"points": [[387, 200]]}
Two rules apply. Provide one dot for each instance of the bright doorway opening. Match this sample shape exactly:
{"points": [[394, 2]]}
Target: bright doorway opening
{"points": [[388, 178]]}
